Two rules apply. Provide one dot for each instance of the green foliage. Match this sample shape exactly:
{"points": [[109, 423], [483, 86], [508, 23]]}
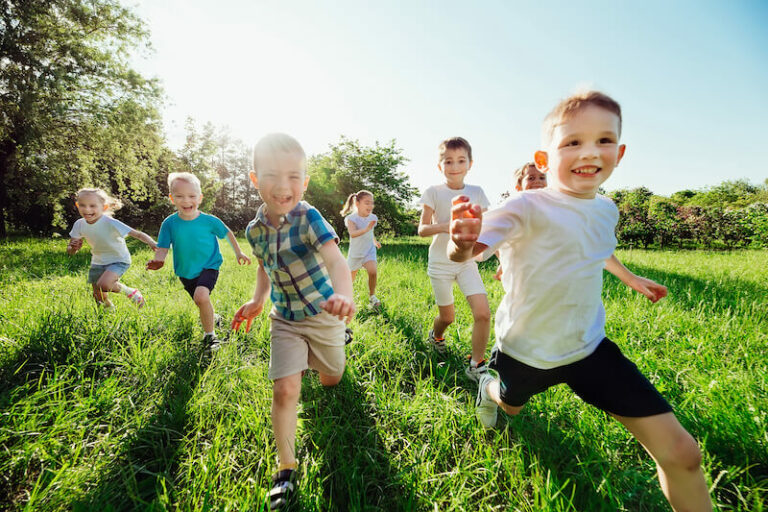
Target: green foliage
{"points": [[119, 410], [349, 167], [73, 112]]}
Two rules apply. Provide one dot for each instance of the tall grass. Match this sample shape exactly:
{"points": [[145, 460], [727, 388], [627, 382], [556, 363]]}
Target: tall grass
{"points": [[121, 410]]}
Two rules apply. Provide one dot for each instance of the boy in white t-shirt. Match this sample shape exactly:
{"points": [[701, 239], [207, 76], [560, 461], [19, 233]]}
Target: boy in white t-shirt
{"points": [[550, 326], [454, 163]]}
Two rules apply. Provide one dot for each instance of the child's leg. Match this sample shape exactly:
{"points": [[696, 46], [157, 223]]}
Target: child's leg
{"points": [[370, 267], [285, 398], [493, 392], [354, 275], [678, 459], [202, 298], [329, 380], [481, 328], [99, 296], [445, 317], [106, 283]]}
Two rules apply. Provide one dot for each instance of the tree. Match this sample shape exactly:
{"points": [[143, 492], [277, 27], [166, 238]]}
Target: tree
{"points": [[349, 167], [72, 112], [634, 225]]}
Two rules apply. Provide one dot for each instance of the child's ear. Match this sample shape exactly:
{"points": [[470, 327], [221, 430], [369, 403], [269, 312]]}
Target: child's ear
{"points": [[306, 181], [542, 160], [255, 179], [470, 164], [622, 149]]}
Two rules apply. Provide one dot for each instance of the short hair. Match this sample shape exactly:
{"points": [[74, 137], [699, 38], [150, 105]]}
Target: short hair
{"points": [[454, 143], [113, 204], [187, 177], [519, 173], [574, 103], [276, 143]]}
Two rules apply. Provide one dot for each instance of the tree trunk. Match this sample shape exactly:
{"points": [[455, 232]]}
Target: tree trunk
{"points": [[7, 158]]}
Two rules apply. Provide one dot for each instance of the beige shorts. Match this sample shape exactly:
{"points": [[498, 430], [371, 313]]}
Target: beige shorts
{"points": [[316, 342], [443, 276]]}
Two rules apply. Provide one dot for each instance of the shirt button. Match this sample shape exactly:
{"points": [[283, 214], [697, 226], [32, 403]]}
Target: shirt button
{"points": [[282, 219]]}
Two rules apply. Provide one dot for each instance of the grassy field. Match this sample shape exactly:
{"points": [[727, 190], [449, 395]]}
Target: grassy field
{"points": [[119, 410]]}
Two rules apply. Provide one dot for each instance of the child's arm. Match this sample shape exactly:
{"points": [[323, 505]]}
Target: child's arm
{"points": [[376, 243], [74, 245], [354, 232], [465, 230], [242, 259], [651, 289], [159, 260], [255, 306], [144, 238], [426, 227], [339, 304]]}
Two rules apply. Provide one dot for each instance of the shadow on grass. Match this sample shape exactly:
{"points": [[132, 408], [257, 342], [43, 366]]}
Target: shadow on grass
{"points": [[356, 472], [142, 472]]}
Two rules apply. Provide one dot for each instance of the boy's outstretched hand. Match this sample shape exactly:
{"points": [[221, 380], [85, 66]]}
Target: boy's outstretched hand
{"points": [[247, 313], [340, 306], [466, 221], [242, 259], [155, 264], [74, 245], [651, 289]]}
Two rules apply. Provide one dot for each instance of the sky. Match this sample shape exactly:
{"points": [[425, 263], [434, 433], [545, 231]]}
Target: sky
{"points": [[691, 77]]}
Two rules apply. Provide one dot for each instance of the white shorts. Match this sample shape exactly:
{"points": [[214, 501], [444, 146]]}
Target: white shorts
{"points": [[465, 274], [357, 262]]}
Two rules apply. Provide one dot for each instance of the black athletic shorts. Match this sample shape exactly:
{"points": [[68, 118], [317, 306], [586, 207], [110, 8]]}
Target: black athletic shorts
{"points": [[207, 278], [605, 379]]}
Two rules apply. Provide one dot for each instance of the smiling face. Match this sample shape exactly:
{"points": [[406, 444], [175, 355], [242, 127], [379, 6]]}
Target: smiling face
{"points": [[582, 151], [455, 165], [365, 205], [281, 181], [532, 179], [187, 198], [91, 207]]}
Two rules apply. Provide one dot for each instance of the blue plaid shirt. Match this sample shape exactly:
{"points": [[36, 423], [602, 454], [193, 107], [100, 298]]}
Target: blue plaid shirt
{"points": [[291, 257]]}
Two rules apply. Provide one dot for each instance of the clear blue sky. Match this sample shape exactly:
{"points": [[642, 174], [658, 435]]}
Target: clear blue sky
{"points": [[691, 76]]}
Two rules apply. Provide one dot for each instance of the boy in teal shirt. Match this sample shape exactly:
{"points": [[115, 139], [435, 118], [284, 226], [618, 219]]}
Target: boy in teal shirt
{"points": [[196, 257]]}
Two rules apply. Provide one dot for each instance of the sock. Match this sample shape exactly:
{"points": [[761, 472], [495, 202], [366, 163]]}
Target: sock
{"points": [[125, 289], [212, 333], [473, 363], [289, 465]]}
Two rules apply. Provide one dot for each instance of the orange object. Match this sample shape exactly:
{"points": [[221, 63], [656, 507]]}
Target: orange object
{"points": [[467, 214]]}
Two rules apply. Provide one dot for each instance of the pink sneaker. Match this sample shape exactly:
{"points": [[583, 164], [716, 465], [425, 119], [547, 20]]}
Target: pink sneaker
{"points": [[137, 298]]}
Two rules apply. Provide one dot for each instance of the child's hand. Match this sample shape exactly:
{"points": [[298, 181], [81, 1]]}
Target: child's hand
{"points": [[74, 245], [340, 306], [497, 275], [153, 245], [247, 313], [155, 264], [377, 244], [651, 289], [466, 221], [371, 224], [242, 259]]}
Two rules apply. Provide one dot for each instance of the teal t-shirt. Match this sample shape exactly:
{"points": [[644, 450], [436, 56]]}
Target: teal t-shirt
{"points": [[194, 242]]}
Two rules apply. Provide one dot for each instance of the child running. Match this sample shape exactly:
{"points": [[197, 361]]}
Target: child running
{"points": [[362, 242], [454, 163], [110, 257], [550, 326], [196, 255], [311, 292]]}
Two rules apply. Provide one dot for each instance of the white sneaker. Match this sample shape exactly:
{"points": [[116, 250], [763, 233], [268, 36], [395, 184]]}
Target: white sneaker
{"points": [[475, 372], [486, 409], [439, 345], [374, 302]]}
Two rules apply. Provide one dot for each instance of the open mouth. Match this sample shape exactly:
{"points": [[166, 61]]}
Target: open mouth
{"points": [[586, 172], [282, 200]]}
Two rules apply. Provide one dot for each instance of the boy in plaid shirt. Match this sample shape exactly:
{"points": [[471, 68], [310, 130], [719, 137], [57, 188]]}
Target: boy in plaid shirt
{"points": [[311, 291]]}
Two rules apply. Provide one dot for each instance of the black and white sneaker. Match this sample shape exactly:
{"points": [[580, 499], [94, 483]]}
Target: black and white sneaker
{"points": [[283, 488]]}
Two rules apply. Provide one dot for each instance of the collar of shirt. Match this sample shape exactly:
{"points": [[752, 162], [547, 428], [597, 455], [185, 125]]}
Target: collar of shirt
{"points": [[261, 215]]}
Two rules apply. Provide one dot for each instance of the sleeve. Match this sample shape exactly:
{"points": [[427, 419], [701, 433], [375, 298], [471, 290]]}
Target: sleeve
{"points": [[218, 227], [121, 228], [319, 231], [428, 198], [504, 224], [482, 199], [164, 237], [76, 231]]}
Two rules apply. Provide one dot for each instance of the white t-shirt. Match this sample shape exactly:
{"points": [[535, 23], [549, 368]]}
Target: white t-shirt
{"points": [[359, 246], [553, 249], [106, 237], [439, 197]]}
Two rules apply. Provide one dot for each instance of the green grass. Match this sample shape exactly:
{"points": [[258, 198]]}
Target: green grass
{"points": [[119, 411]]}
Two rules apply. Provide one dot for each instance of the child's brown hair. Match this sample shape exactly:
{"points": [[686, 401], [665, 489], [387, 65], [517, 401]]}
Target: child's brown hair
{"points": [[352, 200], [454, 143]]}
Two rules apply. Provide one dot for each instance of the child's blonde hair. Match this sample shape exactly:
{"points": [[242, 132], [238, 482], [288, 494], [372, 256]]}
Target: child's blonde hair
{"points": [[187, 177], [574, 103], [276, 143], [520, 173], [352, 200], [113, 203]]}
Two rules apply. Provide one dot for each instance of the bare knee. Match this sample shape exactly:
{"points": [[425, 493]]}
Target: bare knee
{"points": [[201, 297], [285, 392], [512, 410], [330, 380], [482, 315], [682, 453]]}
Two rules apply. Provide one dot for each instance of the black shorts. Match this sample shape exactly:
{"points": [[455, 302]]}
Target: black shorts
{"points": [[605, 379], [207, 279]]}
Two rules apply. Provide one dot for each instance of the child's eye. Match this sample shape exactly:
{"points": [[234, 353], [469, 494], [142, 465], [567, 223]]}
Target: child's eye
{"points": [[606, 140], [572, 143]]}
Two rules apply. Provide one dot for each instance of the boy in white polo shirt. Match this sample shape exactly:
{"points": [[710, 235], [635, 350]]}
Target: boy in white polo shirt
{"points": [[550, 326]]}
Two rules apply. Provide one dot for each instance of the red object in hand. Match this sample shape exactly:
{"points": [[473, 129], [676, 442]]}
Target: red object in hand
{"points": [[466, 214]]}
